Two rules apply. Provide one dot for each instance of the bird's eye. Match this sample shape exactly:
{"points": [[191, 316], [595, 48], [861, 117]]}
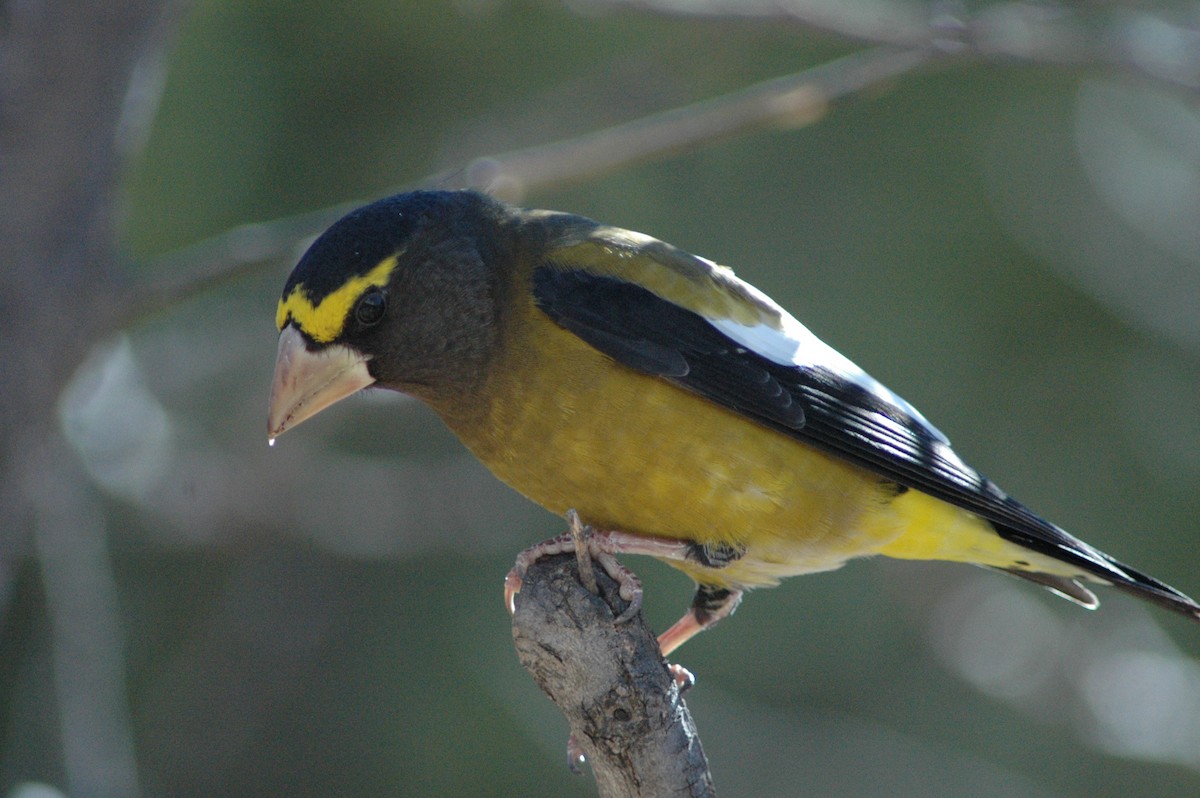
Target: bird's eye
{"points": [[370, 308]]}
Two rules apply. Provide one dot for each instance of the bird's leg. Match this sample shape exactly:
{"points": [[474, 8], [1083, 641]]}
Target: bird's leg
{"points": [[709, 605], [602, 545], [580, 535]]}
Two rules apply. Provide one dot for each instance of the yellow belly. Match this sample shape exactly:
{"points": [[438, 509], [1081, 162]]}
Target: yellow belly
{"points": [[635, 453]]}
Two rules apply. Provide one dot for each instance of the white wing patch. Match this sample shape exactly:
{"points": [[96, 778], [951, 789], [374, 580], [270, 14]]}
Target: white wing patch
{"points": [[779, 336], [793, 344]]}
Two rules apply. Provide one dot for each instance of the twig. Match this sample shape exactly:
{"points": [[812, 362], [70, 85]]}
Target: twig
{"points": [[69, 539], [1162, 45], [900, 23], [610, 682], [224, 258], [67, 114], [792, 101], [910, 36]]}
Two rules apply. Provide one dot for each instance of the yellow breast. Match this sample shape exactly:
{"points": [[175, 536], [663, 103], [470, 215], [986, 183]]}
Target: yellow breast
{"points": [[569, 428]]}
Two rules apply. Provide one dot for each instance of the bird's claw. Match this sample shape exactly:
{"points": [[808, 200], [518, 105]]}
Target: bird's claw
{"points": [[683, 678], [590, 546], [516, 576]]}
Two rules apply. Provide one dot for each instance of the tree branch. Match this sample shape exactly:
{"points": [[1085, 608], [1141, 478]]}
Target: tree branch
{"points": [[610, 682], [1156, 44], [67, 116], [908, 36], [790, 102]]}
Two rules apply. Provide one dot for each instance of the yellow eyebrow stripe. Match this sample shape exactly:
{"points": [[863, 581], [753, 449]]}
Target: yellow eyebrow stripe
{"points": [[325, 321]]}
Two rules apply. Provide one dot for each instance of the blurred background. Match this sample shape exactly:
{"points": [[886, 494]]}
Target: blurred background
{"points": [[1011, 243]]}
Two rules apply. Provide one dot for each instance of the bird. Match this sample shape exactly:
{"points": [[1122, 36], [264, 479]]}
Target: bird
{"points": [[653, 396]]}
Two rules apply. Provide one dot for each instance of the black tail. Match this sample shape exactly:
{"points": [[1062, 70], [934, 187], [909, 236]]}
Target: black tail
{"points": [[1150, 589], [1095, 566]]}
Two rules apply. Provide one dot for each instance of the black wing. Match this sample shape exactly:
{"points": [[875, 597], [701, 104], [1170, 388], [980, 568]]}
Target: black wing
{"points": [[814, 404]]}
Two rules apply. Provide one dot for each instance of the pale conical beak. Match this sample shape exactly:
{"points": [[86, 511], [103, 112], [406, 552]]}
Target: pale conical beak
{"points": [[307, 382]]}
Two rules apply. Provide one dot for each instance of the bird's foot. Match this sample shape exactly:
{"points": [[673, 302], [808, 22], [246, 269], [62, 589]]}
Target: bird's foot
{"points": [[590, 546], [683, 678]]}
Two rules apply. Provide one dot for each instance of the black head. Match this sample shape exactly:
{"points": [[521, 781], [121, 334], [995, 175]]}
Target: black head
{"points": [[409, 282]]}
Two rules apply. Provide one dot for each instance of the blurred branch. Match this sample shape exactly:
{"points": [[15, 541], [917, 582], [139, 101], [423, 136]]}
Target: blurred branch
{"points": [[71, 542], [610, 682], [792, 101], [787, 102], [908, 37], [73, 89], [896, 22], [1144, 41], [223, 259]]}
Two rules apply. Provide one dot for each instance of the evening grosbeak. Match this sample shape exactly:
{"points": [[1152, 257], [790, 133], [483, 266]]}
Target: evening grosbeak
{"points": [[676, 408]]}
